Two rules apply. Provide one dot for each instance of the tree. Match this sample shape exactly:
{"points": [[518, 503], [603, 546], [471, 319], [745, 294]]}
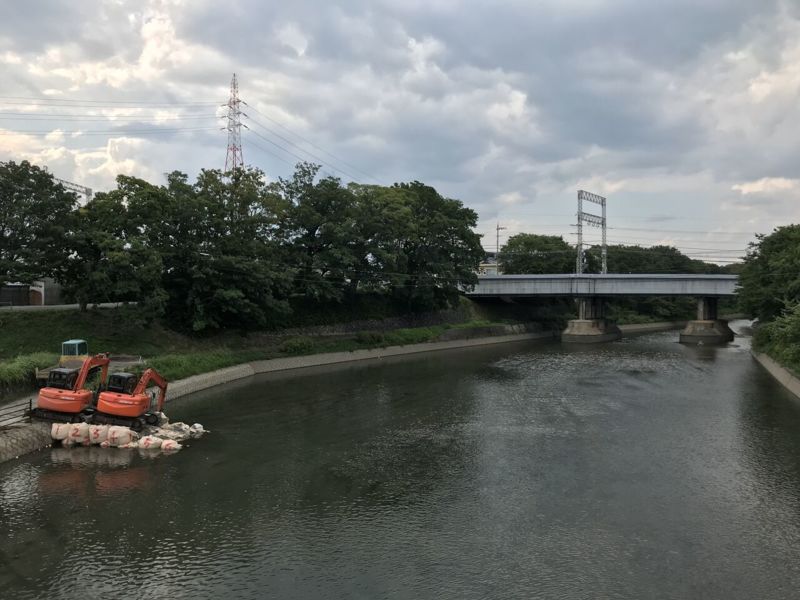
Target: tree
{"points": [[770, 278], [109, 261], [222, 266], [35, 215], [438, 251], [529, 253]]}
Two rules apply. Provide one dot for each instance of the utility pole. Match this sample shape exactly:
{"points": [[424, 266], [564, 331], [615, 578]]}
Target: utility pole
{"points": [[233, 157], [594, 221], [497, 247]]}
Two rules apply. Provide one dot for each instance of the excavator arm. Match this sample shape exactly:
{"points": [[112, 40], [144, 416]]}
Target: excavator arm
{"points": [[99, 360], [153, 376]]}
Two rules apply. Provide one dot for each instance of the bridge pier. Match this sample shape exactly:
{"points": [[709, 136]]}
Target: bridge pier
{"points": [[708, 328], [591, 326]]}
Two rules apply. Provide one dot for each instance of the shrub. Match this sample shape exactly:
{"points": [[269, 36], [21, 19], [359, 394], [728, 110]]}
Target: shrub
{"points": [[297, 346]]}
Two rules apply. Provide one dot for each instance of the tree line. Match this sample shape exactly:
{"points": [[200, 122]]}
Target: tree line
{"points": [[232, 250], [770, 291]]}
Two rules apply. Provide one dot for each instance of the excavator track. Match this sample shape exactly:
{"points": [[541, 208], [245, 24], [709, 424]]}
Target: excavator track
{"points": [[56, 417]]}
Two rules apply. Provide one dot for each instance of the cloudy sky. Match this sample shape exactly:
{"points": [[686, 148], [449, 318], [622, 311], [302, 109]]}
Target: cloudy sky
{"points": [[684, 113]]}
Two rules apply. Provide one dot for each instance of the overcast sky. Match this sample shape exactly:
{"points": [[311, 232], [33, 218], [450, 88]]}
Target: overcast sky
{"points": [[684, 113]]}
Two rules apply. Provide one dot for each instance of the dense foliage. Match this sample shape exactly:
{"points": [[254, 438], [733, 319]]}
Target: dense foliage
{"points": [[233, 250], [533, 254], [770, 278], [770, 291], [35, 217]]}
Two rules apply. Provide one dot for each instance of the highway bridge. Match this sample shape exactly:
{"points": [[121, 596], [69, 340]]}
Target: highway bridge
{"points": [[591, 290]]}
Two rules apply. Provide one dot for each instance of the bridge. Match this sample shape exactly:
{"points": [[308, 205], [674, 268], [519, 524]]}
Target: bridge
{"points": [[591, 290]]}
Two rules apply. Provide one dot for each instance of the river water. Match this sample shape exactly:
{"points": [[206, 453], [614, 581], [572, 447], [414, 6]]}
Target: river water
{"points": [[637, 469]]}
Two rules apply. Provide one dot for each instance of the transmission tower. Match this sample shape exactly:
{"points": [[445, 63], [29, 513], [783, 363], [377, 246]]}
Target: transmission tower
{"points": [[594, 221], [76, 187], [233, 158]]}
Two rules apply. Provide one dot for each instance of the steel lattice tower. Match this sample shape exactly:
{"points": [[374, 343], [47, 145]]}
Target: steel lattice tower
{"points": [[595, 221], [233, 158]]}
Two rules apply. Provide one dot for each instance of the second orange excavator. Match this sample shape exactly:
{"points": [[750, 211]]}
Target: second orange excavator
{"points": [[126, 402], [64, 397]]}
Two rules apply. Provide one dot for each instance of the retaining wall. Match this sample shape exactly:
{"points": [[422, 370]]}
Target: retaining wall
{"points": [[784, 376]]}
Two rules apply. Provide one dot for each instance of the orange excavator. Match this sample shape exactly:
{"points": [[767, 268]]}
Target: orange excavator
{"points": [[126, 402], [64, 399]]}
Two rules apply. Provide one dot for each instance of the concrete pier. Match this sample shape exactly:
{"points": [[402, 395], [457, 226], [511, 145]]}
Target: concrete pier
{"points": [[591, 326], [708, 328]]}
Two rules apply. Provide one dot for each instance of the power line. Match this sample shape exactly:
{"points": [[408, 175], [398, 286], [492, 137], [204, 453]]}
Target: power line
{"points": [[30, 100], [300, 148], [112, 132], [307, 141]]}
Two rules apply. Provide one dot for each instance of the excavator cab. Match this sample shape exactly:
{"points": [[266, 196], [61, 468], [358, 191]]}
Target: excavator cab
{"points": [[62, 378], [121, 383]]}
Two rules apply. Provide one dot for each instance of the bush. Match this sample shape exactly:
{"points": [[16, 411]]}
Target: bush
{"points": [[371, 338], [297, 346], [781, 338], [21, 369]]}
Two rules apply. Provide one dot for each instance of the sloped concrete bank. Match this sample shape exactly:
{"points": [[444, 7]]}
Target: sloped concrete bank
{"points": [[783, 375], [190, 385], [25, 438]]}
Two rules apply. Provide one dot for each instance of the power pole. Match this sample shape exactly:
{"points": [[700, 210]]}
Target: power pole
{"points": [[594, 221], [233, 158], [497, 247]]}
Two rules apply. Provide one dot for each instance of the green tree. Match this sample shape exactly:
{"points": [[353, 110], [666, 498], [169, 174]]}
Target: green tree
{"points": [[35, 215], [223, 267], [529, 253], [438, 250], [770, 278], [109, 261], [317, 230]]}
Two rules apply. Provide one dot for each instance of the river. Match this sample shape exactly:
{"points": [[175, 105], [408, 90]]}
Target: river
{"points": [[637, 469]]}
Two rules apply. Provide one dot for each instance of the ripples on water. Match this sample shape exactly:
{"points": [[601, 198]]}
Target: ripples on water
{"points": [[636, 469]]}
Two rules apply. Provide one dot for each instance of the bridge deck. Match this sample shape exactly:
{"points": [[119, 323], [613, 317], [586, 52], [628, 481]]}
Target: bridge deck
{"points": [[612, 284]]}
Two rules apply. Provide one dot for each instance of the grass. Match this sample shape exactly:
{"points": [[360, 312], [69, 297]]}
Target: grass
{"points": [[20, 370], [30, 340]]}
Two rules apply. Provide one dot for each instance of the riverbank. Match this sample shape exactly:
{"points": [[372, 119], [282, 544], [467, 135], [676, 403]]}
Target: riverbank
{"points": [[25, 438], [781, 374]]}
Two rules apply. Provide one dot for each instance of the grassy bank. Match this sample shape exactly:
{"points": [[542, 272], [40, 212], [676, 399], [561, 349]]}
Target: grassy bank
{"points": [[33, 339]]}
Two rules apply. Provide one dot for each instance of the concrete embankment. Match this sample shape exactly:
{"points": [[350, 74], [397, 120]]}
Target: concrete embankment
{"points": [[783, 375], [509, 333]]}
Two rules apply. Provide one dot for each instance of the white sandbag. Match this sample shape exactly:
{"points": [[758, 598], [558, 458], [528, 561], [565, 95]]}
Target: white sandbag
{"points": [[59, 431], [78, 433], [150, 441], [118, 436], [196, 430], [105, 444], [130, 445], [170, 445], [98, 433], [162, 419]]}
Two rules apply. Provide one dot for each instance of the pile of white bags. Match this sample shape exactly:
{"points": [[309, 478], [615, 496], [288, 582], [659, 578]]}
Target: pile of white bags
{"points": [[164, 437]]}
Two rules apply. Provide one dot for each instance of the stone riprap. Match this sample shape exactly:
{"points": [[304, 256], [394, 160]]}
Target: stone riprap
{"points": [[22, 438]]}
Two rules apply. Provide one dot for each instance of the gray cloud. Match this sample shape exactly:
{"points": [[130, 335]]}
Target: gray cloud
{"points": [[508, 105]]}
